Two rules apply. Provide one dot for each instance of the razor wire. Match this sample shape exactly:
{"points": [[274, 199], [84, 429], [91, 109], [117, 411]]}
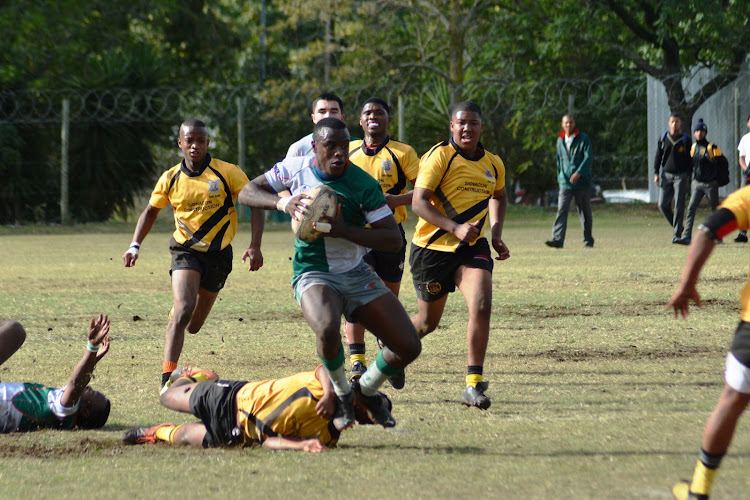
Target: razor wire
{"points": [[170, 104]]}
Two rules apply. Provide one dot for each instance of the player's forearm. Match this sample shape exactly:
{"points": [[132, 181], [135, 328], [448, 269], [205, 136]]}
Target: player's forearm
{"points": [[145, 223], [383, 239], [255, 196], [698, 254], [497, 209], [257, 224], [79, 379]]}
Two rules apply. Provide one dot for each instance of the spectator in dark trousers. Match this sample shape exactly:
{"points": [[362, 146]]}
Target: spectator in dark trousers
{"points": [[672, 168]]}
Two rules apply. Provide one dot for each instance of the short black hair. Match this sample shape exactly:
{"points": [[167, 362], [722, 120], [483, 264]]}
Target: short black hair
{"points": [[193, 123], [95, 420], [466, 106], [330, 122], [328, 96], [379, 102]]}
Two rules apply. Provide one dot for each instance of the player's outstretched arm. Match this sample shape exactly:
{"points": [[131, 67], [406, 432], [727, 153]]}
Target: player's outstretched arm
{"points": [[698, 253], [96, 347], [142, 228], [282, 443]]}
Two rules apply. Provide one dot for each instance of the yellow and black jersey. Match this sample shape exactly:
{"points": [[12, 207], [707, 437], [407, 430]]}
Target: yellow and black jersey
{"points": [[739, 204], [284, 407], [462, 190], [203, 203], [392, 164]]}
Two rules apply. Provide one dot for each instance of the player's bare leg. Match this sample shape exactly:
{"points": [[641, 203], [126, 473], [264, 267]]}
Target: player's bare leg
{"points": [[177, 397], [476, 287], [203, 307], [322, 309], [12, 337], [185, 288], [428, 315]]}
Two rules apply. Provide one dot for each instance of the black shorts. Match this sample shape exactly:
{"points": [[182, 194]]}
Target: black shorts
{"points": [[213, 401], [741, 343], [434, 272], [388, 266], [213, 266]]}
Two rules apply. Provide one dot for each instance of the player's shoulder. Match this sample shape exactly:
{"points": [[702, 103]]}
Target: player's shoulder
{"points": [[440, 150], [217, 163], [399, 146]]}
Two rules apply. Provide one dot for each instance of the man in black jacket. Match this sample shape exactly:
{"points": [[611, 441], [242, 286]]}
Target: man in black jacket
{"points": [[704, 177], [672, 167]]}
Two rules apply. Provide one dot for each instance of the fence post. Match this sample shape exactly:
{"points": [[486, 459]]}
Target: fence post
{"points": [[401, 119], [64, 166], [737, 178], [571, 103]]}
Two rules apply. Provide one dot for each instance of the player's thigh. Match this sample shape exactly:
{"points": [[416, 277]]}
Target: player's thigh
{"points": [[12, 337], [322, 308], [476, 287], [387, 319], [185, 285], [206, 300], [177, 397]]}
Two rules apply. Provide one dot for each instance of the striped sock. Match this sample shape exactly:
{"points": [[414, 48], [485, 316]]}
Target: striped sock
{"points": [[376, 375], [167, 433], [474, 375], [337, 373], [705, 470]]}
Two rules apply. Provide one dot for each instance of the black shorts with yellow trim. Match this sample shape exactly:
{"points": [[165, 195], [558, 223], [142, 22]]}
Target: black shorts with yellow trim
{"points": [[213, 266], [434, 272], [388, 266], [213, 401]]}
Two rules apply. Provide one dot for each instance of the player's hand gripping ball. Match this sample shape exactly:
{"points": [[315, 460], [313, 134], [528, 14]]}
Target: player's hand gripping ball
{"points": [[323, 201]]}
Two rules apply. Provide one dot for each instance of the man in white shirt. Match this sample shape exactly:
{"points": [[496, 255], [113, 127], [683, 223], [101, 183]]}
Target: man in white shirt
{"points": [[744, 155], [326, 105]]}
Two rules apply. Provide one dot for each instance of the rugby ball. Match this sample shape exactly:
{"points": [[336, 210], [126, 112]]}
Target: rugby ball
{"points": [[323, 201]]}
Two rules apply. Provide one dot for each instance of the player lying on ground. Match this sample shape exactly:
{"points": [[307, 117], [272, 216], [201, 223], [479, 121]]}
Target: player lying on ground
{"points": [[292, 413], [27, 407]]}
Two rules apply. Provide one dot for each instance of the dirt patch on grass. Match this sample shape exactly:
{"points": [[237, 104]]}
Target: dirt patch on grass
{"points": [[84, 447]]}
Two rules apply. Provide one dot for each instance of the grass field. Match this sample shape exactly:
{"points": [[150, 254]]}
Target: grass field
{"points": [[597, 392]]}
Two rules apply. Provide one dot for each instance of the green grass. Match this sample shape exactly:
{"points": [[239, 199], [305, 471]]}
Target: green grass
{"points": [[597, 392]]}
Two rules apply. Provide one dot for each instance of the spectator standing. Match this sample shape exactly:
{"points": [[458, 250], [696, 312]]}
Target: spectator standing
{"points": [[672, 169], [574, 159]]}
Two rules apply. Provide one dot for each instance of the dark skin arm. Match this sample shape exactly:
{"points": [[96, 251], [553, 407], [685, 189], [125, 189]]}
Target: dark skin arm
{"points": [[97, 335], [258, 194], [257, 223], [382, 235], [142, 228], [700, 249]]}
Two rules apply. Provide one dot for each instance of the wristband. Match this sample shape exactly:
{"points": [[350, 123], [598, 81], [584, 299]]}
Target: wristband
{"points": [[92, 348], [134, 248], [282, 203]]}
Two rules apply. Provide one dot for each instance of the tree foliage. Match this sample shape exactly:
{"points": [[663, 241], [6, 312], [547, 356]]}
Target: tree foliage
{"points": [[522, 60]]}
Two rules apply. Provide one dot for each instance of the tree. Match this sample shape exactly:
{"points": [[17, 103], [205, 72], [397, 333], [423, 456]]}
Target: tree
{"points": [[672, 40]]}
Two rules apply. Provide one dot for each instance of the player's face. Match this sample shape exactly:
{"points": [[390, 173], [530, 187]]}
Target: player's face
{"points": [[193, 142], [332, 151], [374, 119], [699, 135], [674, 125], [327, 109], [466, 128], [568, 125]]}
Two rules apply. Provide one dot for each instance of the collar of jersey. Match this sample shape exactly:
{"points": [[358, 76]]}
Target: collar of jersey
{"points": [[326, 177], [190, 173], [461, 151], [372, 152]]}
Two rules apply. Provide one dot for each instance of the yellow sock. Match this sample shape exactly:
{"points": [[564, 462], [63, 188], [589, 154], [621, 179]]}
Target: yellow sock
{"points": [[199, 377], [703, 477], [358, 357], [473, 379], [165, 433]]}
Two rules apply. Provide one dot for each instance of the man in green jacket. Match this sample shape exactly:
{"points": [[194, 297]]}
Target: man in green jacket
{"points": [[574, 158]]}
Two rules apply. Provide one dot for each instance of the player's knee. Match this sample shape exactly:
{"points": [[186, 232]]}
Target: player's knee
{"points": [[424, 325], [183, 312]]}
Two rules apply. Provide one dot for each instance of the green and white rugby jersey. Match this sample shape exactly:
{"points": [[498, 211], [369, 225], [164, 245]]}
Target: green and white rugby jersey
{"points": [[362, 202], [27, 407]]}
